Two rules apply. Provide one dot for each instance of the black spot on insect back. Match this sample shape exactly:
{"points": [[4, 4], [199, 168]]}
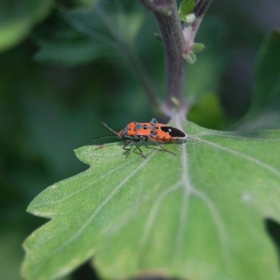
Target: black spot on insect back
{"points": [[173, 132]]}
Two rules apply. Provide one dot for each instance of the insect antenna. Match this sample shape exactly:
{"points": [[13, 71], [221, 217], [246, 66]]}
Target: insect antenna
{"points": [[110, 128], [102, 137]]}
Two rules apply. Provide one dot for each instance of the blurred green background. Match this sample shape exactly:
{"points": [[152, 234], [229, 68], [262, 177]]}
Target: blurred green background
{"points": [[63, 70]]}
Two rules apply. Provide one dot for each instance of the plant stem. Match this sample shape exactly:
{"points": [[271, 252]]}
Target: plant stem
{"points": [[200, 10], [162, 6], [173, 41], [177, 42], [201, 7]]}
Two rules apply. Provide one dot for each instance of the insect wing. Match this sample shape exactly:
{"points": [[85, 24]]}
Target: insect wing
{"points": [[174, 132]]}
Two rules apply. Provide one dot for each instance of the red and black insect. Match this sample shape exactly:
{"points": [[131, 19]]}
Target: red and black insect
{"points": [[153, 131]]}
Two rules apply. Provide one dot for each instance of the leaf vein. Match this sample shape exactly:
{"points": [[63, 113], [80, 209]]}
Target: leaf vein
{"points": [[242, 155], [87, 185], [154, 211], [89, 220]]}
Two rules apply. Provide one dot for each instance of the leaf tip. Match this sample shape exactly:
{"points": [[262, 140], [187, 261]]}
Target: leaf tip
{"points": [[84, 154]]}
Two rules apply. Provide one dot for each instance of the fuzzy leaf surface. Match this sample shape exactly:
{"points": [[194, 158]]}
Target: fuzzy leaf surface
{"points": [[198, 214]]}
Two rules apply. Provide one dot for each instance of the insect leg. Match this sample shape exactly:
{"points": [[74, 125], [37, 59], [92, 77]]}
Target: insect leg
{"points": [[152, 140], [153, 121], [131, 142], [126, 144], [142, 154]]}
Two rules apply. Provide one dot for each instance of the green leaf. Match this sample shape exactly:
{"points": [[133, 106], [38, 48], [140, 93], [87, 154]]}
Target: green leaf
{"points": [[207, 111], [186, 7], [18, 18], [79, 36], [61, 43], [129, 25], [89, 3], [122, 24], [198, 47], [198, 214], [190, 57], [265, 109], [267, 75], [11, 255]]}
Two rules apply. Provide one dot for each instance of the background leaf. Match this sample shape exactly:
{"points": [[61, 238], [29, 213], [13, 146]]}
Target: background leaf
{"points": [[85, 2], [196, 215], [212, 116], [18, 18], [9, 251], [265, 109], [267, 74], [78, 36], [63, 44]]}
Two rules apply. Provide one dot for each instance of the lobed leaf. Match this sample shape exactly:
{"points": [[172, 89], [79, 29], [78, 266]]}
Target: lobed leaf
{"points": [[198, 214]]}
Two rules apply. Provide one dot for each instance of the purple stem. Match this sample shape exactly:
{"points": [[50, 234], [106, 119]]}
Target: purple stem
{"points": [[173, 42]]}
